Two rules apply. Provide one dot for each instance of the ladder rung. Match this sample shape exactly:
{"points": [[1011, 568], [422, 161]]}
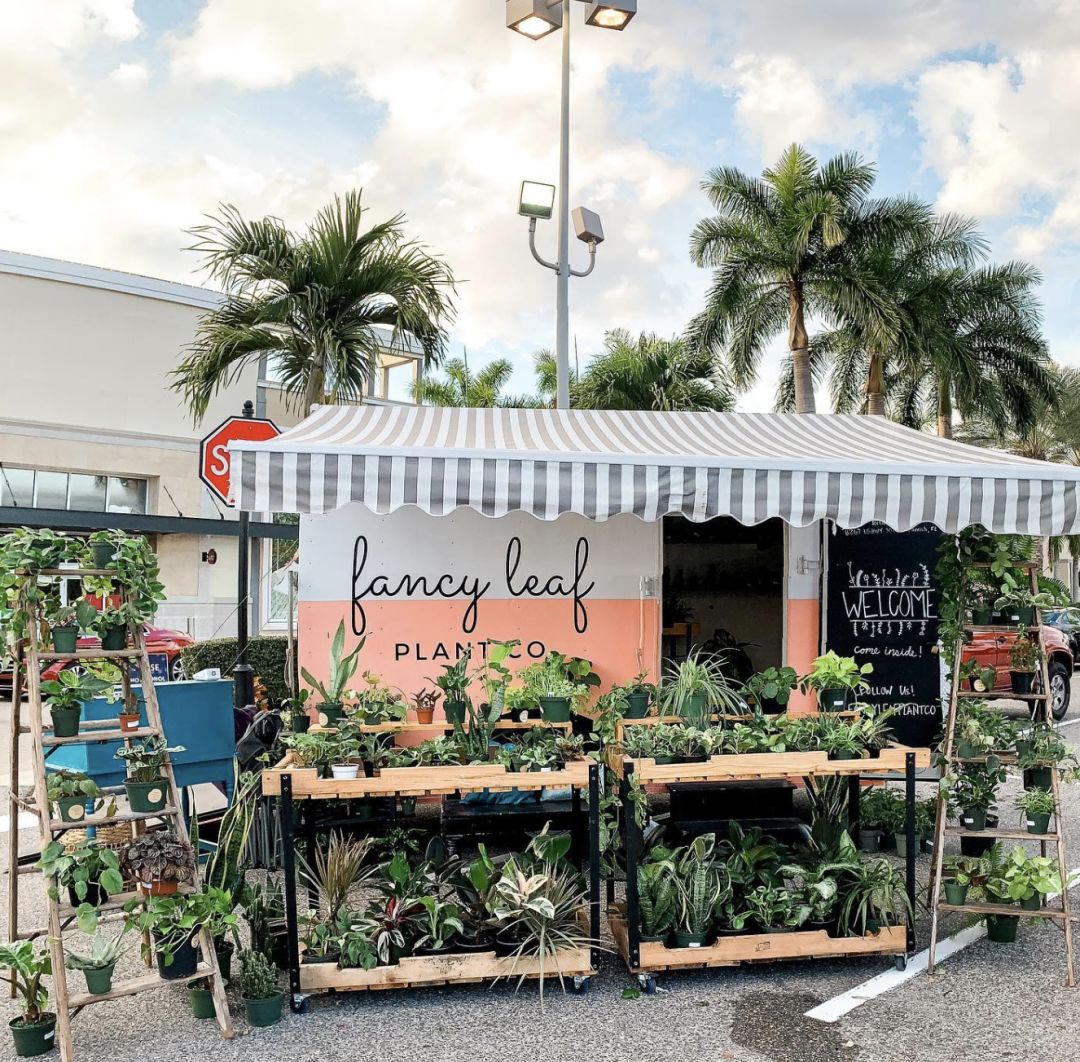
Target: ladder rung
{"points": [[99, 737], [92, 654], [26, 805], [998, 628], [1000, 695], [74, 572], [1014, 835], [89, 724], [138, 984], [1000, 909], [115, 902], [57, 825]]}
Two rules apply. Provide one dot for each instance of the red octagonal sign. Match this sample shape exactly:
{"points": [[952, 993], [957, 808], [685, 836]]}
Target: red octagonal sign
{"points": [[214, 464]]}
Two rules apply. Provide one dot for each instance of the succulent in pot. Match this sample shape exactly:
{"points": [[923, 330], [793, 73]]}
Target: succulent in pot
{"points": [[424, 704], [342, 668], [147, 789], [34, 1030], [159, 863], [130, 716], [260, 988], [97, 964], [70, 690]]}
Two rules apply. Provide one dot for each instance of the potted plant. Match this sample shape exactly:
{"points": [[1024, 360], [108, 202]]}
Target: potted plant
{"points": [[439, 924], [696, 687], [296, 710], [103, 549], [201, 999], [145, 785], [173, 923], [980, 679], [701, 887], [836, 680], [550, 685], [260, 989], [1037, 806], [972, 790], [874, 898], [1017, 603], [70, 690], [344, 754], [111, 627], [130, 716], [773, 908], [63, 626], [89, 872], [424, 705], [35, 1029], [841, 740], [976, 730], [1040, 750], [639, 694], [658, 899], [342, 668], [97, 965], [772, 688], [71, 791], [454, 683], [376, 703], [159, 863], [956, 876], [1024, 657]]}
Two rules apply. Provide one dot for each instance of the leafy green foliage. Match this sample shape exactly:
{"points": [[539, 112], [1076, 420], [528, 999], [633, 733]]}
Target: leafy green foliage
{"points": [[26, 971], [342, 668], [266, 654]]}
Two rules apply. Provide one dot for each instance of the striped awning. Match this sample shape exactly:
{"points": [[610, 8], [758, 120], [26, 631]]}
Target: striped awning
{"points": [[750, 466]]}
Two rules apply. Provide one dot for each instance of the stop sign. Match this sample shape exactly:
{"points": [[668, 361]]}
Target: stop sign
{"points": [[214, 464]]}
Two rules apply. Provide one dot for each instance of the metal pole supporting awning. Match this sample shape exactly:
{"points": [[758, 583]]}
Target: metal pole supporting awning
{"points": [[599, 464]]}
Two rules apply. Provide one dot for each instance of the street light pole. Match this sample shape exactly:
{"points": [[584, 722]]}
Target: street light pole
{"points": [[562, 298], [243, 673]]}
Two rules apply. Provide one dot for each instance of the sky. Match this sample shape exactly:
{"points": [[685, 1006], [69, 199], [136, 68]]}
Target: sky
{"points": [[123, 122]]}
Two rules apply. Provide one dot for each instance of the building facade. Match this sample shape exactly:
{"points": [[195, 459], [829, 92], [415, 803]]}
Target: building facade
{"points": [[91, 435]]}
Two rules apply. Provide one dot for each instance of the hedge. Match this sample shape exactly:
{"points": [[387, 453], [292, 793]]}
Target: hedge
{"points": [[266, 655]]}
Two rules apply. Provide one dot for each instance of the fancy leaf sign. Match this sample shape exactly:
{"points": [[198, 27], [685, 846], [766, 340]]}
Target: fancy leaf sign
{"points": [[881, 608], [422, 589]]}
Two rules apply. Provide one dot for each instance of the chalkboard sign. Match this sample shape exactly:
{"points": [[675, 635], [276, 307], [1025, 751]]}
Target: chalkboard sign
{"points": [[882, 609]]}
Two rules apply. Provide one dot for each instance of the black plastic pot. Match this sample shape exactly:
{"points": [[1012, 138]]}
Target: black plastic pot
{"points": [[65, 721], [185, 961], [263, 1012], [973, 819], [869, 840], [33, 1040], [637, 704], [831, 700], [455, 711], [330, 714], [65, 639], [982, 615], [223, 949], [95, 895], [555, 709], [1001, 929], [114, 638], [1022, 681], [1038, 778], [104, 553]]}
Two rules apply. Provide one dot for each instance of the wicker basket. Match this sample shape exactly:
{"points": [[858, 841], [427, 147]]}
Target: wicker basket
{"points": [[117, 836]]}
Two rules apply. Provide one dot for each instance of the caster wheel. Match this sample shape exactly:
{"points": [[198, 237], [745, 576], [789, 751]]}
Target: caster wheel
{"points": [[901, 962], [647, 983], [299, 1004], [582, 985]]}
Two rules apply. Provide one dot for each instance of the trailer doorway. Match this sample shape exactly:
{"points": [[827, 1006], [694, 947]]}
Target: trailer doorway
{"points": [[723, 589]]}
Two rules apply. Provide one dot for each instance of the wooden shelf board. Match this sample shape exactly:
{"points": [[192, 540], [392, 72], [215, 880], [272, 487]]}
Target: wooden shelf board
{"points": [[135, 985], [999, 695], [114, 903], [99, 737], [440, 727], [1000, 909], [1014, 835], [91, 654], [77, 572], [111, 820]]}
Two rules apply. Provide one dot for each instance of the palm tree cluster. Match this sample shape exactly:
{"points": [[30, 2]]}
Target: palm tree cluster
{"points": [[914, 322]]}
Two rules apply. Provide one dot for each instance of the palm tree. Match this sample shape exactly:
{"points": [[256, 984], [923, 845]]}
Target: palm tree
{"points": [[320, 306], [651, 373], [790, 245], [462, 387], [979, 352]]}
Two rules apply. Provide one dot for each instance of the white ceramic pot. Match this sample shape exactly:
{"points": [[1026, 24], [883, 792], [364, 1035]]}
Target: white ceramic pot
{"points": [[344, 771]]}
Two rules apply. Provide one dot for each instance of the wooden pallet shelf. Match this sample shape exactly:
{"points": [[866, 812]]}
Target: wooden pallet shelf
{"points": [[744, 948]]}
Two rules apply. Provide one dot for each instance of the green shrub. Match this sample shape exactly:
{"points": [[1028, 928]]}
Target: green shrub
{"points": [[266, 655]]}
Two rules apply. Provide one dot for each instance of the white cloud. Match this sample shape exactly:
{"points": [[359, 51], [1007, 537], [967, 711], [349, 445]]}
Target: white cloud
{"points": [[132, 74]]}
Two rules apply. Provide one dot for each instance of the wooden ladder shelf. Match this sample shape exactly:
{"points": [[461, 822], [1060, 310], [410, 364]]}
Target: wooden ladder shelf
{"points": [[1041, 712], [27, 677]]}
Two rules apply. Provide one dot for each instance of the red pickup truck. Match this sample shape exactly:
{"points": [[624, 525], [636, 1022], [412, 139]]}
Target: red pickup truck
{"points": [[991, 649]]}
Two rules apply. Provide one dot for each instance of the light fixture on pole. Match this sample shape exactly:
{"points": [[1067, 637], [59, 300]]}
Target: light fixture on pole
{"points": [[535, 19], [537, 200], [611, 14]]}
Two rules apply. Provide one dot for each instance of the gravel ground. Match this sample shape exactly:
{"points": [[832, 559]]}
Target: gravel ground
{"points": [[990, 1002]]}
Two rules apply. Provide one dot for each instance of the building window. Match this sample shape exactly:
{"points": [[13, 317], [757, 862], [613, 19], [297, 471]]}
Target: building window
{"points": [[279, 556], [29, 488]]}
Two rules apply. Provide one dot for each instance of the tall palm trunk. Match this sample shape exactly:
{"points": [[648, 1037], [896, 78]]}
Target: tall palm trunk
{"points": [[315, 389], [875, 397], [944, 411], [799, 345]]}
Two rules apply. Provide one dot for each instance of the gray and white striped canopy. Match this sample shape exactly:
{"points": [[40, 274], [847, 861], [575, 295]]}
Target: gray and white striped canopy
{"points": [[750, 466]]}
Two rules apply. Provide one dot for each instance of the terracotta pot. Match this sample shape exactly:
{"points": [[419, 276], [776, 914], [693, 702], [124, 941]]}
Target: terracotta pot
{"points": [[425, 715]]}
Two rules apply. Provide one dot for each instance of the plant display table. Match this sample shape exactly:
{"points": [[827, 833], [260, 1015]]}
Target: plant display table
{"points": [[290, 784]]}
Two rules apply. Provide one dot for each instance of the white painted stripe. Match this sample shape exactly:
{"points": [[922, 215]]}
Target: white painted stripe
{"points": [[834, 1009]]}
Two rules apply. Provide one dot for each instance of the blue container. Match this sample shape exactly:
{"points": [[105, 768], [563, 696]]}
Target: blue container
{"points": [[197, 715]]}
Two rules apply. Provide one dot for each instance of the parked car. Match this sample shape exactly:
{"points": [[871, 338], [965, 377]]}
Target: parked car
{"points": [[1066, 620], [991, 649], [164, 648]]}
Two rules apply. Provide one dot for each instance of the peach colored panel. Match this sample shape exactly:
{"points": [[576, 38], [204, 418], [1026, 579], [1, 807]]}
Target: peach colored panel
{"points": [[408, 642], [803, 641]]}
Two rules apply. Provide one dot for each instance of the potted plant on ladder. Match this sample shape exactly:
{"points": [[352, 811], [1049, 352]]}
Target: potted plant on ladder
{"points": [[98, 964], [34, 1031], [146, 786], [66, 694], [1024, 659]]}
